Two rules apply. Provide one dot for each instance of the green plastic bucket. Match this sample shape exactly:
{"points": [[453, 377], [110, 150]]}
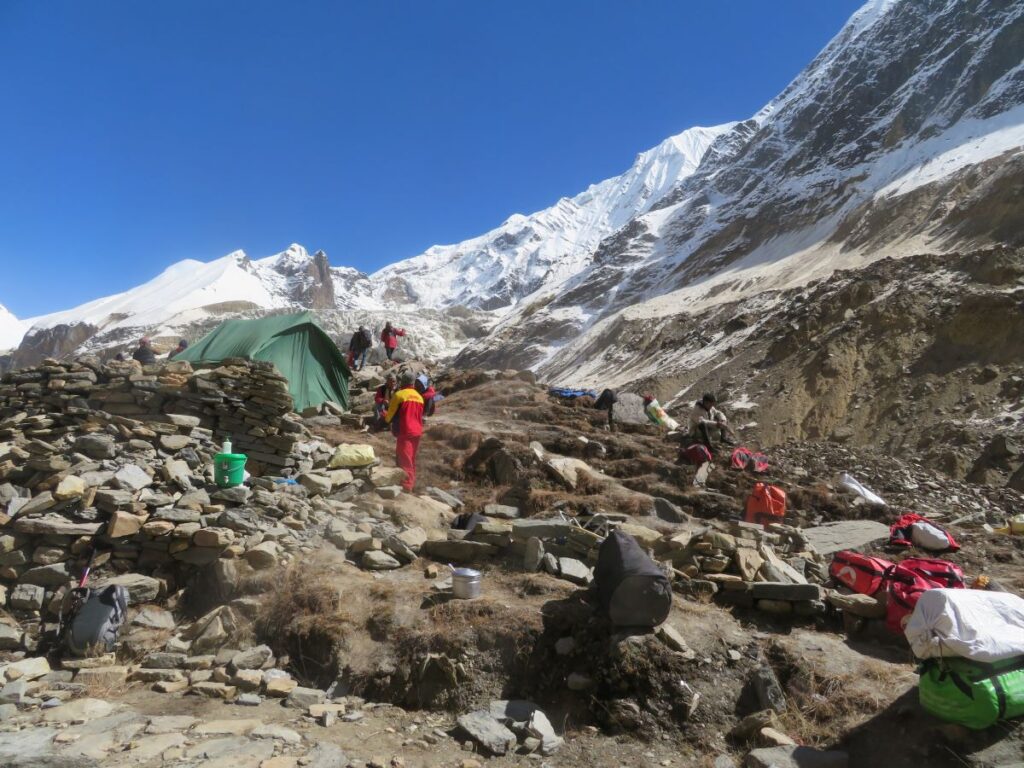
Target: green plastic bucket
{"points": [[229, 469]]}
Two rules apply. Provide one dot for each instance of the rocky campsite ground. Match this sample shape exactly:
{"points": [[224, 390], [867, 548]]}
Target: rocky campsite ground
{"points": [[312, 623]]}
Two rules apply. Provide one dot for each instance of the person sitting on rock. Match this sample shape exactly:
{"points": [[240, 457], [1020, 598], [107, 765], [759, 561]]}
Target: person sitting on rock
{"points": [[358, 346], [381, 399], [182, 346], [389, 336], [706, 419], [405, 414], [144, 352]]}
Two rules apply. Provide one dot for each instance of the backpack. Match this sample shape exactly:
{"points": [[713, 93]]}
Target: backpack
{"points": [[606, 400], [911, 529], [766, 504], [860, 573], [367, 338], [744, 458], [974, 694], [696, 454], [911, 578], [93, 628]]}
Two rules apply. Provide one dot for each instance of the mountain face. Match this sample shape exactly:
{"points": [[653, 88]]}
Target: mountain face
{"points": [[544, 249], [11, 329], [903, 135]]}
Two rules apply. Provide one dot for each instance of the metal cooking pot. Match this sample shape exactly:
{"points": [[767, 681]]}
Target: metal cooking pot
{"points": [[465, 583]]}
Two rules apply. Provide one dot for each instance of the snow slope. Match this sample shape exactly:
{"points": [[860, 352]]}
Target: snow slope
{"points": [[11, 329], [547, 247]]}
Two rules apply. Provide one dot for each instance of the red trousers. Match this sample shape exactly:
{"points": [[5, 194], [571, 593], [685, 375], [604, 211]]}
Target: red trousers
{"points": [[405, 456]]}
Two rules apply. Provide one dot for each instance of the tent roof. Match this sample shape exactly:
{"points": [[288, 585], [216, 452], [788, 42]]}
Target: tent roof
{"points": [[301, 349]]}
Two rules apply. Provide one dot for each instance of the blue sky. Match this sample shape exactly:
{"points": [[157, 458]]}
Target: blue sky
{"points": [[136, 134]]}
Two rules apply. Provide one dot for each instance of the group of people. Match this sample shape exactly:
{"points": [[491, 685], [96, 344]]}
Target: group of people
{"points": [[144, 351], [362, 341]]}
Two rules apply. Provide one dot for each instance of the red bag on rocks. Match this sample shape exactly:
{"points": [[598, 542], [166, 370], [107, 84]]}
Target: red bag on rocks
{"points": [[912, 577], [766, 504], [859, 572], [902, 533]]}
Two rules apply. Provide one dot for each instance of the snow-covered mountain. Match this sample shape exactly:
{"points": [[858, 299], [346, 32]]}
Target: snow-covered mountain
{"points": [[11, 329], [904, 135], [546, 248]]}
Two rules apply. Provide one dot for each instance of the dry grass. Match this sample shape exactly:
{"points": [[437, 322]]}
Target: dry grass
{"points": [[822, 707], [304, 617]]}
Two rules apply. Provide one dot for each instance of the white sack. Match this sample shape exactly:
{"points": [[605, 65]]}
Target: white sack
{"points": [[850, 484], [972, 623], [927, 536]]}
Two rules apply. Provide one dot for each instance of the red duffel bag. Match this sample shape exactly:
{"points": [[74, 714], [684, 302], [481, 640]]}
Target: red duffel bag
{"points": [[909, 579], [859, 572], [766, 504]]}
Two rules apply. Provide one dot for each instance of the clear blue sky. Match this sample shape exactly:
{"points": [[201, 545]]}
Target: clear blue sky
{"points": [[136, 133]]}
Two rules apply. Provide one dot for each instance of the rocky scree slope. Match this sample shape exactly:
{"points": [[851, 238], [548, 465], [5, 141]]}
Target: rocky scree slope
{"points": [[904, 135]]}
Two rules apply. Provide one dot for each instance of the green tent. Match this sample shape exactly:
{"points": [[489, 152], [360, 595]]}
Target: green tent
{"points": [[296, 344]]}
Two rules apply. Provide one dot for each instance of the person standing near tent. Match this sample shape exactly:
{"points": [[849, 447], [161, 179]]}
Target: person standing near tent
{"points": [[358, 346], [389, 336], [405, 414]]}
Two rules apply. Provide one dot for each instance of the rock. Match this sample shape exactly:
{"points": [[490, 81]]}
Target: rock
{"points": [[106, 677], [96, 446], [254, 658], [177, 473], [866, 606], [234, 727], [80, 710], [316, 484], [748, 562], [775, 607], [169, 724], [213, 690], [302, 698], [141, 589], [669, 512], [795, 757], [27, 597], [174, 443], [491, 735], [213, 537], [153, 617], [278, 732], [56, 575], [444, 497], [847, 534], [791, 592], [10, 637], [27, 669], [14, 692], [541, 529], [534, 555], [71, 487], [389, 491], [37, 504], [575, 571], [670, 636], [56, 525], [132, 478], [280, 687], [577, 681], [326, 755], [248, 700], [123, 524], [751, 725], [774, 738], [767, 689], [263, 555], [239, 494], [502, 511], [148, 675], [458, 551], [375, 560]]}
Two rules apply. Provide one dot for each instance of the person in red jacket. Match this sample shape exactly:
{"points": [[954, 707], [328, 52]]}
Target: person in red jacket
{"points": [[382, 399], [390, 336], [405, 414]]}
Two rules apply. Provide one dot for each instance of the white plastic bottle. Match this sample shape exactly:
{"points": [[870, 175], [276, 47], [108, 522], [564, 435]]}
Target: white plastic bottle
{"points": [[226, 448]]}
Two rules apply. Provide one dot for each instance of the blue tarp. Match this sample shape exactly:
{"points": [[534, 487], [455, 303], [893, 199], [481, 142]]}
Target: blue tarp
{"points": [[569, 394]]}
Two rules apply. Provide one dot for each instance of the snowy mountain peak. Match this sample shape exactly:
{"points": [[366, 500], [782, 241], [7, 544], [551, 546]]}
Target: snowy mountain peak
{"points": [[543, 249], [11, 329]]}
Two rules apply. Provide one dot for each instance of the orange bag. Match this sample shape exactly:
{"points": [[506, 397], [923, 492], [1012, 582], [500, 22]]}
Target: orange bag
{"points": [[766, 504]]}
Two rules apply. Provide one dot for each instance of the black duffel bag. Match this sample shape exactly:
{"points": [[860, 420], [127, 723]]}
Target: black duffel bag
{"points": [[631, 588]]}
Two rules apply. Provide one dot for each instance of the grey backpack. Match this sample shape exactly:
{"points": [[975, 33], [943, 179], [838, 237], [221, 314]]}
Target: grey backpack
{"points": [[93, 628]]}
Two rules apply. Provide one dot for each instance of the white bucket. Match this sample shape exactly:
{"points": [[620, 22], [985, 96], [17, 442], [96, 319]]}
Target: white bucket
{"points": [[465, 583]]}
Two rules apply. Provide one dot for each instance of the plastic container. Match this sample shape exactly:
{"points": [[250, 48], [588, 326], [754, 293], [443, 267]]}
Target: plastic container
{"points": [[1017, 525], [229, 469], [465, 583]]}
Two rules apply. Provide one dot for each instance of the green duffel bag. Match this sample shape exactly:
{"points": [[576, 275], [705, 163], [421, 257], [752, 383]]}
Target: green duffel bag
{"points": [[972, 693]]}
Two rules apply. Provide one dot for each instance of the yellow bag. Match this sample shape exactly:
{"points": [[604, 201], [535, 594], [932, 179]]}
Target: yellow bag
{"points": [[352, 455]]}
